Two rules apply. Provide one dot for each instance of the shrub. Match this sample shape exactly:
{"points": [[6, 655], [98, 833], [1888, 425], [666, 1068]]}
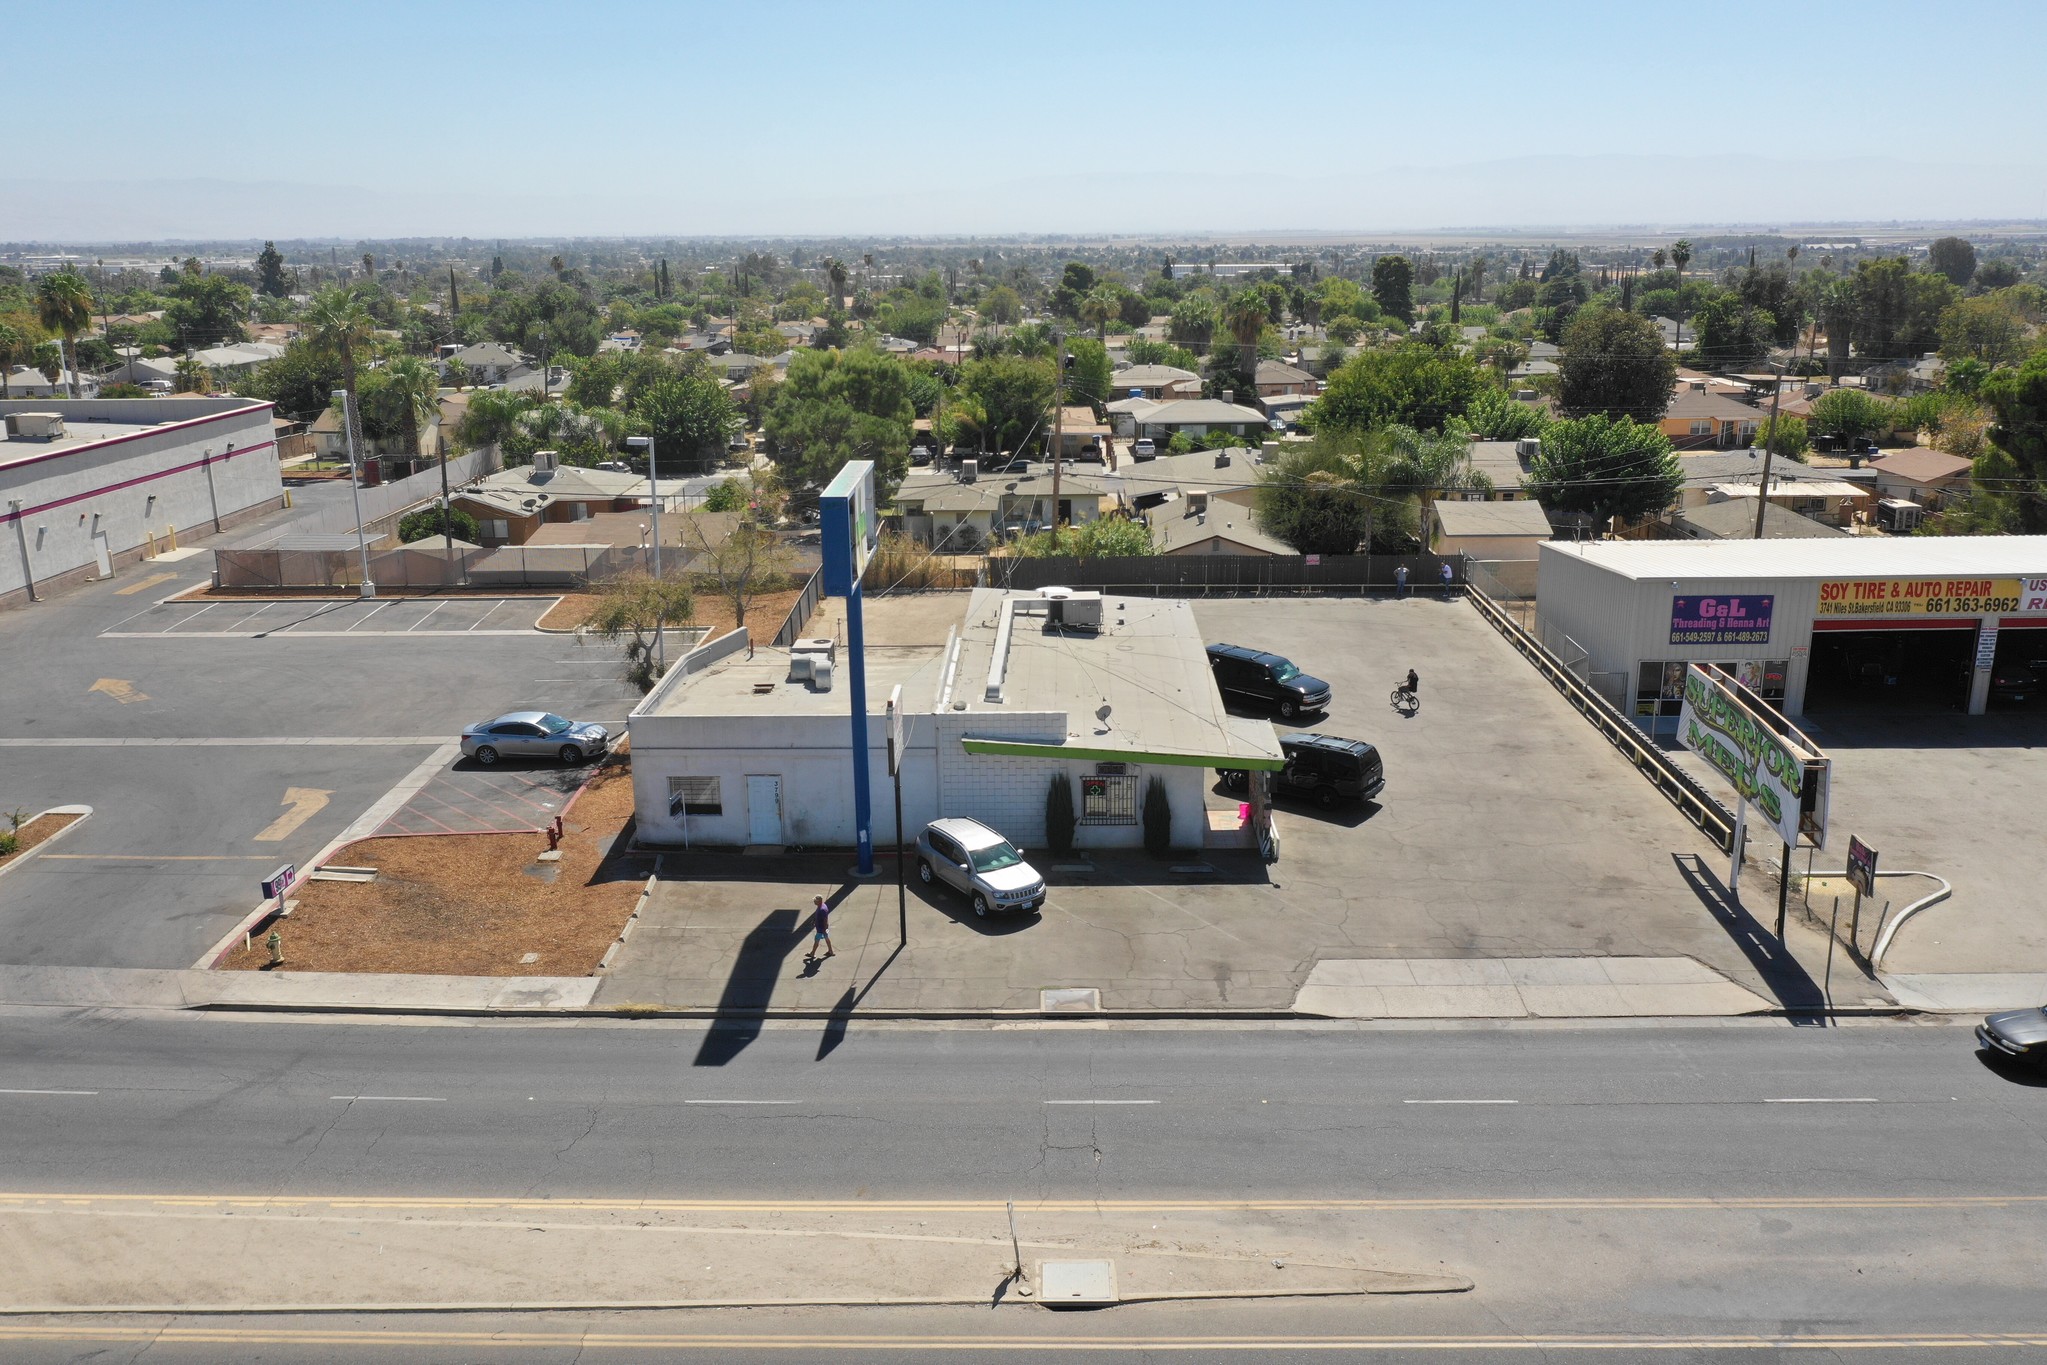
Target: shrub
{"points": [[9, 842], [1059, 814], [427, 522], [1158, 820], [1792, 438]]}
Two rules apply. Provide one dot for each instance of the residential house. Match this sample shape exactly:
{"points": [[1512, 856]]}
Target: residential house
{"points": [[1923, 375], [511, 505], [1079, 434], [28, 383], [736, 367], [1199, 417], [1833, 496], [1200, 524], [1506, 464], [1696, 418], [1124, 412], [955, 514], [489, 363], [1232, 476], [1735, 519], [1926, 477], [238, 357], [1670, 330], [136, 368], [1160, 383], [1276, 378], [1488, 530]]}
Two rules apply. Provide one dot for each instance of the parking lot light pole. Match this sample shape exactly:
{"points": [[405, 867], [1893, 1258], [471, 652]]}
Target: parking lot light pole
{"points": [[646, 443], [347, 401]]}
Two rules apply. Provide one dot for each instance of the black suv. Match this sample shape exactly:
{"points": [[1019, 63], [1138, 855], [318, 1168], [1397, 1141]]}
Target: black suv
{"points": [[1252, 677], [1322, 767]]}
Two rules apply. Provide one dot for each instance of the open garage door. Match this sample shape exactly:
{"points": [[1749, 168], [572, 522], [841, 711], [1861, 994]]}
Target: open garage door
{"points": [[2020, 671], [1922, 667]]}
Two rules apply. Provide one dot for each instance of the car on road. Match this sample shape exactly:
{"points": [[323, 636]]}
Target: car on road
{"points": [[2016, 1033], [978, 863], [534, 734], [1325, 769], [1252, 677]]}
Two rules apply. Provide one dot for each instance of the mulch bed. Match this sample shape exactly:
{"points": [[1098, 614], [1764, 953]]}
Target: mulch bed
{"points": [[36, 831], [764, 614], [473, 905]]}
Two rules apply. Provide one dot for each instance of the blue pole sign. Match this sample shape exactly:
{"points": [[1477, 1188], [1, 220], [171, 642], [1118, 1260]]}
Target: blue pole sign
{"points": [[848, 530]]}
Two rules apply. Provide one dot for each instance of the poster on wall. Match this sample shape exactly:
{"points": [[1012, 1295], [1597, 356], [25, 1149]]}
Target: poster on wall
{"points": [[1734, 619], [1768, 771], [1921, 596], [2033, 595]]}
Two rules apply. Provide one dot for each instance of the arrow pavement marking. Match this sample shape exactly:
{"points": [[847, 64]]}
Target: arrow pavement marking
{"points": [[304, 803], [120, 689]]}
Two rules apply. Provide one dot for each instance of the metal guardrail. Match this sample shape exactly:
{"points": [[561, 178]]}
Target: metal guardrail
{"points": [[1714, 820]]}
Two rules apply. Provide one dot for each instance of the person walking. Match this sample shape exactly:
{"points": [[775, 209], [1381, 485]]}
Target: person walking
{"points": [[1449, 579], [1400, 581], [821, 928]]}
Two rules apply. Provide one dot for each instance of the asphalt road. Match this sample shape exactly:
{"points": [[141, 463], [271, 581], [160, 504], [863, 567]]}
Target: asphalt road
{"points": [[1679, 1187]]}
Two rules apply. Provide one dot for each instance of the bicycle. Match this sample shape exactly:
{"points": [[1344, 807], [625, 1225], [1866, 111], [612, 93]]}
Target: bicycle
{"points": [[1405, 702]]}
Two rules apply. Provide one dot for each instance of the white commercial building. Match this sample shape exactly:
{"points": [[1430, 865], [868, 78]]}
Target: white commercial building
{"points": [[1927, 624], [86, 485], [741, 745]]}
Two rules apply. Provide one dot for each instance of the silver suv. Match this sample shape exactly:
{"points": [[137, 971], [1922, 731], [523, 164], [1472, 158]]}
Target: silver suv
{"points": [[980, 864]]}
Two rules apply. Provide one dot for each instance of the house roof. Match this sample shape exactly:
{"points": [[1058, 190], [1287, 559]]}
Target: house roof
{"points": [[1150, 376], [1498, 462], [1279, 372], [1735, 519], [1197, 469], [1138, 406], [525, 490], [486, 353], [1690, 405], [1175, 527], [1707, 468], [1519, 518], [1079, 420], [1201, 412], [1920, 465]]}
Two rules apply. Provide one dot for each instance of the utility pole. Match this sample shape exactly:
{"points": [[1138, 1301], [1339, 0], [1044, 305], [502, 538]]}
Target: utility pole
{"points": [[1769, 443], [1058, 429], [362, 544]]}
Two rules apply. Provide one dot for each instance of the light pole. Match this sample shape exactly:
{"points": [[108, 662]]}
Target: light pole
{"points": [[646, 443], [347, 401]]}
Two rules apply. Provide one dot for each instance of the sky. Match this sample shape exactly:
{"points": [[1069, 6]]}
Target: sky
{"points": [[220, 118]]}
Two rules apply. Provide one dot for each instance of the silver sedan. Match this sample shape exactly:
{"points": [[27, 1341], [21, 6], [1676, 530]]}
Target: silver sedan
{"points": [[534, 734]]}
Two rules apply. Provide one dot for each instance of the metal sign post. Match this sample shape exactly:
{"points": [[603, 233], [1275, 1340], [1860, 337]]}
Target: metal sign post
{"points": [[1861, 876], [895, 771]]}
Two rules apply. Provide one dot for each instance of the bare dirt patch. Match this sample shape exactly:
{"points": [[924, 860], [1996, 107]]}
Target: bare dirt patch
{"points": [[764, 614], [474, 905], [36, 831]]}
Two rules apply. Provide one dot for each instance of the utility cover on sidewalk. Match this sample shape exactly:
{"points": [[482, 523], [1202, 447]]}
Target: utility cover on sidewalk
{"points": [[1076, 1284], [1070, 998]]}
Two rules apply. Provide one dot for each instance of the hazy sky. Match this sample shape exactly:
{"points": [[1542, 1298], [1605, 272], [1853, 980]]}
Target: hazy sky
{"points": [[224, 118]]}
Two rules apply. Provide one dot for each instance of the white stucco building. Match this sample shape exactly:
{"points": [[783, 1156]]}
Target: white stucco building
{"points": [[85, 484], [737, 747]]}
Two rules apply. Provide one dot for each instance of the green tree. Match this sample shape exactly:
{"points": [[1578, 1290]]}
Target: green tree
{"points": [[1393, 286], [1851, 414], [1193, 322], [1607, 468], [493, 418], [64, 305], [1411, 384], [270, 272], [1144, 351], [1680, 257], [1014, 394], [690, 416], [1614, 363], [726, 495], [2000, 273], [437, 521], [2018, 399], [1986, 328], [416, 389], [1897, 310], [1731, 335], [634, 609], [1954, 258], [1493, 416], [1099, 309], [1102, 538], [1087, 371], [1002, 306], [837, 406], [1789, 436], [337, 325], [1307, 498], [207, 310], [746, 562], [14, 348], [1245, 318]]}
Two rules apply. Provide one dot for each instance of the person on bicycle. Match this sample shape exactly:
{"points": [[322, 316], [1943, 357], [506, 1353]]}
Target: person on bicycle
{"points": [[1414, 684]]}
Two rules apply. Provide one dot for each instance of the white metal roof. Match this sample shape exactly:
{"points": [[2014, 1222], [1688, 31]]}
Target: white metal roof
{"points": [[1902, 557], [1795, 488]]}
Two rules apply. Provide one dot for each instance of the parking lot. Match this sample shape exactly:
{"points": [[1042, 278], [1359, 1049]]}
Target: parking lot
{"points": [[309, 617], [1507, 829]]}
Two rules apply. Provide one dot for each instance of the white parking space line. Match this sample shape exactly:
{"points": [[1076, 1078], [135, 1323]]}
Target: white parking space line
{"points": [[49, 1092], [395, 1099], [429, 616], [1460, 1101], [487, 615], [780, 1103], [368, 614], [193, 617], [1101, 1101], [1830, 1099]]}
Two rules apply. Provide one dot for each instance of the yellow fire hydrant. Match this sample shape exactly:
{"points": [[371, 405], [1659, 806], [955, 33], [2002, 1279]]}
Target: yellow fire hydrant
{"points": [[275, 943]]}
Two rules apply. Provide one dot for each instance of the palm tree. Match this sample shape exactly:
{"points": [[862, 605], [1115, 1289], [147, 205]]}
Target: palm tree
{"points": [[12, 346], [1246, 318], [1097, 308], [369, 267], [835, 271], [337, 324], [492, 415], [192, 375], [1680, 256], [420, 389], [64, 304]]}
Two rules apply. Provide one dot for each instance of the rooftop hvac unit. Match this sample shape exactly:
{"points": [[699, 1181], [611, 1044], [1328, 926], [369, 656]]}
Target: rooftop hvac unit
{"points": [[1197, 502], [35, 426], [1083, 611], [816, 644], [800, 666], [1222, 459], [545, 461], [970, 470], [1527, 447], [820, 672]]}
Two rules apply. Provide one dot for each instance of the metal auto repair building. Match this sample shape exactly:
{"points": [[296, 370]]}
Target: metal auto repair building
{"points": [[743, 745], [1848, 623]]}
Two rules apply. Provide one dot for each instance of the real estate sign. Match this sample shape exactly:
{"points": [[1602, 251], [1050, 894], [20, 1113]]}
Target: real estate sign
{"points": [[1922, 596], [1768, 771], [1734, 619]]}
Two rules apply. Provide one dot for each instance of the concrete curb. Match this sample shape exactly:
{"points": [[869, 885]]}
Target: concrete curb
{"points": [[83, 813]]}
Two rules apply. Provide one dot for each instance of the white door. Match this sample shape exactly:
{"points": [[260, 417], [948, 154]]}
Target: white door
{"points": [[764, 810], [101, 553]]}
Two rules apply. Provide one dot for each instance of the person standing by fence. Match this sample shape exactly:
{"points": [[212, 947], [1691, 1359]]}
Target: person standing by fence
{"points": [[1400, 581], [1449, 580]]}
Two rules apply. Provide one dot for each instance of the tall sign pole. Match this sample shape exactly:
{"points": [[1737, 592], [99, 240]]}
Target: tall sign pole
{"points": [[847, 531]]}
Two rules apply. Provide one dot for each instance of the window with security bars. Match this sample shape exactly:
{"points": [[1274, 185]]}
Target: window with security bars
{"points": [[694, 796]]}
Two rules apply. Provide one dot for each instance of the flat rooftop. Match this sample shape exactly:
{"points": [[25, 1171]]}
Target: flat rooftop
{"points": [[15, 449], [88, 421], [1847, 557], [758, 685]]}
